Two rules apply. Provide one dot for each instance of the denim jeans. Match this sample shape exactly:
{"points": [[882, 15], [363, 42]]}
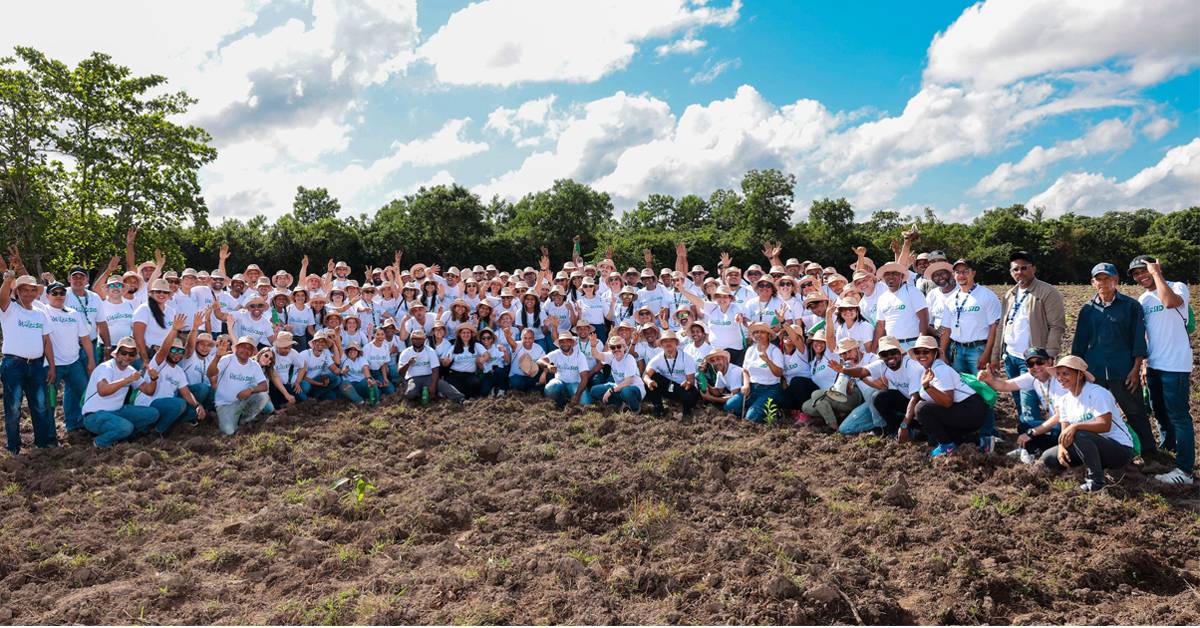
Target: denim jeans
{"points": [[355, 392], [496, 379], [327, 391], [966, 360], [170, 410], [391, 385], [522, 383], [112, 427], [863, 418], [629, 396], [1169, 399], [1029, 406], [562, 392], [204, 396], [414, 385], [756, 405], [74, 379], [241, 412], [28, 377]]}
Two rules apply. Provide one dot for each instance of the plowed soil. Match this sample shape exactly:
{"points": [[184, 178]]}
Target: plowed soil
{"points": [[510, 511]]}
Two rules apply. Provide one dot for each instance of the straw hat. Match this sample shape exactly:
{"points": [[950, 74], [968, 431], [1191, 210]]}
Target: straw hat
{"points": [[1077, 363]]}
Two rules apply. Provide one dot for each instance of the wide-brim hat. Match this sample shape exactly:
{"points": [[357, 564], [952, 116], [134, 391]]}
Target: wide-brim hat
{"points": [[925, 342], [935, 267], [284, 339], [716, 354], [757, 327], [1077, 363]]}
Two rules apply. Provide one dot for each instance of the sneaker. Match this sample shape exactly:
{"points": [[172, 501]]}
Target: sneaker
{"points": [[1020, 453], [1091, 486], [500, 393], [1176, 476], [941, 450], [801, 418], [987, 444]]}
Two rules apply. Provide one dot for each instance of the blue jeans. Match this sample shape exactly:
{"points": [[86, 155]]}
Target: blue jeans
{"points": [[1029, 407], [1169, 399], [966, 360], [19, 376], [170, 410], [74, 379], [756, 406], [522, 383], [863, 418], [629, 396], [118, 425], [328, 391], [562, 392], [391, 386], [204, 396], [355, 392]]}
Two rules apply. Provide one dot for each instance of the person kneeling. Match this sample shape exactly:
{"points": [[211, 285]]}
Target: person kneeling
{"points": [[164, 386], [948, 410], [570, 370], [420, 372], [627, 388], [105, 412], [672, 375], [1094, 433], [241, 386], [721, 379], [358, 386]]}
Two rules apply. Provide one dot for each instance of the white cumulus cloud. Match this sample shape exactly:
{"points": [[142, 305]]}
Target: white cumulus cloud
{"points": [[503, 42], [687, 45], [1173, 183], [1107, 136]]}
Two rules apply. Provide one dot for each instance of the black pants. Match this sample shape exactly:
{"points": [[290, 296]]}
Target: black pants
{"points": [[469, 384], [797, 391], [1134, 407], [956, 424], [891, 405], [1094, 451], [688, 397], [736, 356]]}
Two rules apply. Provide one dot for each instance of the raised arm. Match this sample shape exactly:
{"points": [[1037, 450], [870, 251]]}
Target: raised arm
{"points": [[681, 262], [102, 279], [130, 254], [221, 257], [6, 288], [648, 258], [303, 272], [771, 251]]}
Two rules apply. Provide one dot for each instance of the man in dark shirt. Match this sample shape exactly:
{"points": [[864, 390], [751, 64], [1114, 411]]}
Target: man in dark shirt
{"points": [[1110, 335]]}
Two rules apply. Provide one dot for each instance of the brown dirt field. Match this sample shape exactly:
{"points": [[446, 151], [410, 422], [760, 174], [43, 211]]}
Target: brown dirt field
{"points": [[514, 512]]}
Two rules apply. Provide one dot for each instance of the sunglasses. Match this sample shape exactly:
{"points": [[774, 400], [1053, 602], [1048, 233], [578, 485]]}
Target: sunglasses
{"points": [[891, 352], [922, 351], [58, 293], [813, 305], [126, 352], [160, 292], [172, 281], [1035, 362], [257, 307], [116, 285], [177, 350]]}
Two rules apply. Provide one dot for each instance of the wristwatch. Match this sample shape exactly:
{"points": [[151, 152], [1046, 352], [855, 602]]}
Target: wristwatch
{"points": [[1030, 433]]}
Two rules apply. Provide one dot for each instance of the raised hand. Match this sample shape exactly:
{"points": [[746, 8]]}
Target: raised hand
{"points": [[608, 252], [224, 253], [726, 260], [178, 322], [131, 236], [860, 251], [159, 258]]}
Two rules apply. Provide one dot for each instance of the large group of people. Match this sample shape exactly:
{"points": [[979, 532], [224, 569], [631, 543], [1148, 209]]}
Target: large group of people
{"points": [[912, 348]]}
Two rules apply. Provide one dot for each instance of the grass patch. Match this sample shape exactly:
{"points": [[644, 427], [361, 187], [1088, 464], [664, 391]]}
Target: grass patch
{"points": [[583, 556], [332, 610], [349, 553], [10, 489], [130, 528], [163, 561], [264, 444], [649, 519], [218, 557]]}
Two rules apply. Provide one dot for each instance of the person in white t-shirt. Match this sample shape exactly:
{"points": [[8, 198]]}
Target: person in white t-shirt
{"points": [[115, 318], [285, 388], [495, 371], [947, 409], [1094, 432], [570, 373], [28, 360], [240, 385], [626, 388], [863, 417], [105, 412], [725, 377], [73, 357], [671, 374], [892, 374], [317, 379], [901, 310], [152, 319], [463, 363], [762, 378], [1169, 367], [420, 369], [1037, 380], [524, 373], [164, 385]]}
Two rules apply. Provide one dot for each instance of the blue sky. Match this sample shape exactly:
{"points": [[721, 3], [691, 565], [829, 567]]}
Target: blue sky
{"points": [[958, 106]]}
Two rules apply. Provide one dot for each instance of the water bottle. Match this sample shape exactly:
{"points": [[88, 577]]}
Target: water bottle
{"points": [[373, 394], [425, 395], [52, 396]]}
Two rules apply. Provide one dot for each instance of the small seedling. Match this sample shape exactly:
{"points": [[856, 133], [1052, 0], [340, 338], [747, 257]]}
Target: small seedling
{"points": [[772, 410], [361, 486]]}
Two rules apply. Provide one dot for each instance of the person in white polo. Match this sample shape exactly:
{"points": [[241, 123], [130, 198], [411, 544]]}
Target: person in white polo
{"points": [[74, 360], [900, 311], [240, 384], [105, 412], [28, 360]]}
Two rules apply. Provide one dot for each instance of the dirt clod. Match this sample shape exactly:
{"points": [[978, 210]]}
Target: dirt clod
{"points": [[897, 494], [780, 587], [417, 458], [142, 459]]}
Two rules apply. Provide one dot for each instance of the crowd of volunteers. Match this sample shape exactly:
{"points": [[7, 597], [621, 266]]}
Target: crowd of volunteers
{"points": [[911, 348]]}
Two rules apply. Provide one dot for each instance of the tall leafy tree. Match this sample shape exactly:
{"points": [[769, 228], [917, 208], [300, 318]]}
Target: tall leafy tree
{"points": [[313, 204]]}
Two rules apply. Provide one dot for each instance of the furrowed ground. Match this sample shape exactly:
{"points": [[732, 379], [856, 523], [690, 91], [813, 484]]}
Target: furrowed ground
{"points": [[510, 511]]}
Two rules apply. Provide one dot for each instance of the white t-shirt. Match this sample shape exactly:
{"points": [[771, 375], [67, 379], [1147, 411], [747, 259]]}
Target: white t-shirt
{"points": [[731, 379], [233, 377], [570, 368], [170, 379], [535, 354], [593, 310], [754, 363], [1166, 331], [1093, 401], [495, 358], [898, 311], [937, 307], [88, 306], [155, 333], [1048, 393], [298, 320], [185, 304], [23, 330], [822, 375], [758, 311], [862, 331], [196, 367], [259, 330], [675, 369], [354, 369], [1016, 326], [465, 362], [316, 365], [723, 329], [119, 318], [655, 299], [66, 327], [902, 378], [945, 378], [624, 368], [93, 401], [378, 356], [698, 353], [423, 361], [968, 314], [795, 364], [287, 367]]}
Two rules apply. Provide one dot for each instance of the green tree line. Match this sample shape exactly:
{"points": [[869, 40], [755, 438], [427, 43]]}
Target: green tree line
{"points": [[87, 152]]}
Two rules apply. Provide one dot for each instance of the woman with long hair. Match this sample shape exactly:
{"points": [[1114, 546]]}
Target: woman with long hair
{"points": [[464, 363], [152, 320]]}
